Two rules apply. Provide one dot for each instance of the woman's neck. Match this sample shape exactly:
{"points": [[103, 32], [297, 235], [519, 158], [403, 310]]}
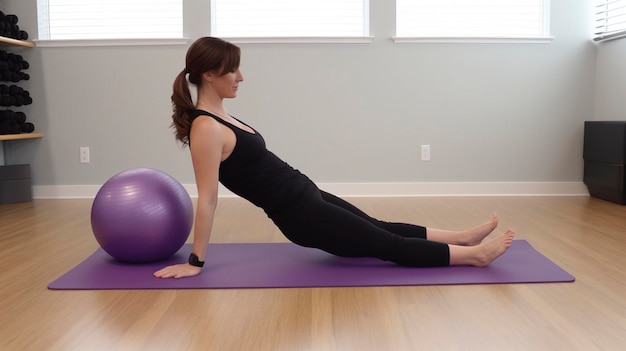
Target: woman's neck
{"points": [[215, 106]]}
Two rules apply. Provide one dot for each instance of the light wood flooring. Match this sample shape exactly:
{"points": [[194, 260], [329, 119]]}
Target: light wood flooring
{"points": [[41, 240]]}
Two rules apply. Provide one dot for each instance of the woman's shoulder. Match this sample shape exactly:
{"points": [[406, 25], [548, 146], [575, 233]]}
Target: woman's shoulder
{"points": [[206, 124]]}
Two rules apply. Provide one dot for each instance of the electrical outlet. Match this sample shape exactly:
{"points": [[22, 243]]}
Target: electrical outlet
{"points": [[425, 153], [84, 154]]}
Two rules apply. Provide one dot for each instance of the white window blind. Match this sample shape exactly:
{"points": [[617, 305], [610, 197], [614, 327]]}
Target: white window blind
{"points": [[109, 19], [610, 19], [472, 18], [290, 18]]}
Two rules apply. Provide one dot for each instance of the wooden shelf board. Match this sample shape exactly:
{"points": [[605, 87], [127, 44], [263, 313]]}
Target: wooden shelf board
{"points": [[21, 136], [4, 41]]}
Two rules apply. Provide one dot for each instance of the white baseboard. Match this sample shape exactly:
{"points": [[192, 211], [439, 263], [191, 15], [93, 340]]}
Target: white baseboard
{"points": [[371, 189]]}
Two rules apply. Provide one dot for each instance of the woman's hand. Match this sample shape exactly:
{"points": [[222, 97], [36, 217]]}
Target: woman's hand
{"points": [[178, 271]]}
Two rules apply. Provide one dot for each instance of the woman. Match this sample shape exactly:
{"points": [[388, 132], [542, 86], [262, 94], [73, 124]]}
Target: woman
{"points": [[226, 150]]}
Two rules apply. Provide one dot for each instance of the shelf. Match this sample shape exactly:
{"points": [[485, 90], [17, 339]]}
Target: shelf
{"points": [[4, 41], [21, 136]]}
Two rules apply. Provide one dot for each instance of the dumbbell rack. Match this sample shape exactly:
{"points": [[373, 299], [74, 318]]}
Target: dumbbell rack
{"points": [[4, 42], [15, 179]]}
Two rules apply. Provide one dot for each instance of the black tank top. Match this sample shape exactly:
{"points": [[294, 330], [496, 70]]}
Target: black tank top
{"points": [[256, 174]]}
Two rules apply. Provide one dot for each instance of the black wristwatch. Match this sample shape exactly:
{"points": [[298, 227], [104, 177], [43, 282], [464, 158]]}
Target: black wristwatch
{"points": [[194, 261]]}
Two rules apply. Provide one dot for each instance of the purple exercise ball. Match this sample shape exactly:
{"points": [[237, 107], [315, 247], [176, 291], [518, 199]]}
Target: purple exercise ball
{"points": [[141, 215]]}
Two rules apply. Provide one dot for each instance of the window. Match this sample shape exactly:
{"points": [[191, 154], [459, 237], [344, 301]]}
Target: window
{"points": [[109, 19], [290, 18], [610, 19], [512, 19]]}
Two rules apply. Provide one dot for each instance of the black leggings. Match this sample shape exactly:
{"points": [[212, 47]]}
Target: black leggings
{"points": [[331, 224]]}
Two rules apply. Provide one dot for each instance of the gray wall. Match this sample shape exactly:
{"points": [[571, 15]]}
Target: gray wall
{"points": [[611, 81], [339, 112]]}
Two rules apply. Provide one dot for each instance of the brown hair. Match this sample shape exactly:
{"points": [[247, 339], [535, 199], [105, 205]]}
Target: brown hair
{"points": [[204, 55]]}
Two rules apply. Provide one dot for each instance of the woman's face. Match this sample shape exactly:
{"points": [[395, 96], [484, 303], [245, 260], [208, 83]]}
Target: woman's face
{"points": [[227, 85]]}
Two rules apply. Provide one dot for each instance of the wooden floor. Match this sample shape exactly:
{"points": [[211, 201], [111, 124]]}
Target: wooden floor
{"points": [[41, 240]]}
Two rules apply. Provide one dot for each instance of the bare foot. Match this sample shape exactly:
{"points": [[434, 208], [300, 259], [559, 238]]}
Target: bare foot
{"points": [[475, 236], [494, 248]]}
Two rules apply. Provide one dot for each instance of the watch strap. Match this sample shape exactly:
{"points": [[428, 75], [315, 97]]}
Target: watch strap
{"points": [[195, 261]]}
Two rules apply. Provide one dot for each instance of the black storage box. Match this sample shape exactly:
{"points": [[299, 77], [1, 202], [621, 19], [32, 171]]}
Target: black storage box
{"points": [[15, 184], [604, 153]]}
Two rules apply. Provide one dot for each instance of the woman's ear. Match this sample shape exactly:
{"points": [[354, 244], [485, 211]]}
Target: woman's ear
{"points": [[208, 76]]}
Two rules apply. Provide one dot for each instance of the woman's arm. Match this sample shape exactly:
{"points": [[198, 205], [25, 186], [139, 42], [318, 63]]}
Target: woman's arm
{"points": [[206, 154]]}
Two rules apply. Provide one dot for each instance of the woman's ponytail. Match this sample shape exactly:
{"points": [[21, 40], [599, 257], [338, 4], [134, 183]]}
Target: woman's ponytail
{"points": [[182, 106]]}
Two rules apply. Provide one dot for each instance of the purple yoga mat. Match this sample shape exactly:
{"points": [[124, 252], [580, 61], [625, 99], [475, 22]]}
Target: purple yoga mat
{"points": [[285, 265]]}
